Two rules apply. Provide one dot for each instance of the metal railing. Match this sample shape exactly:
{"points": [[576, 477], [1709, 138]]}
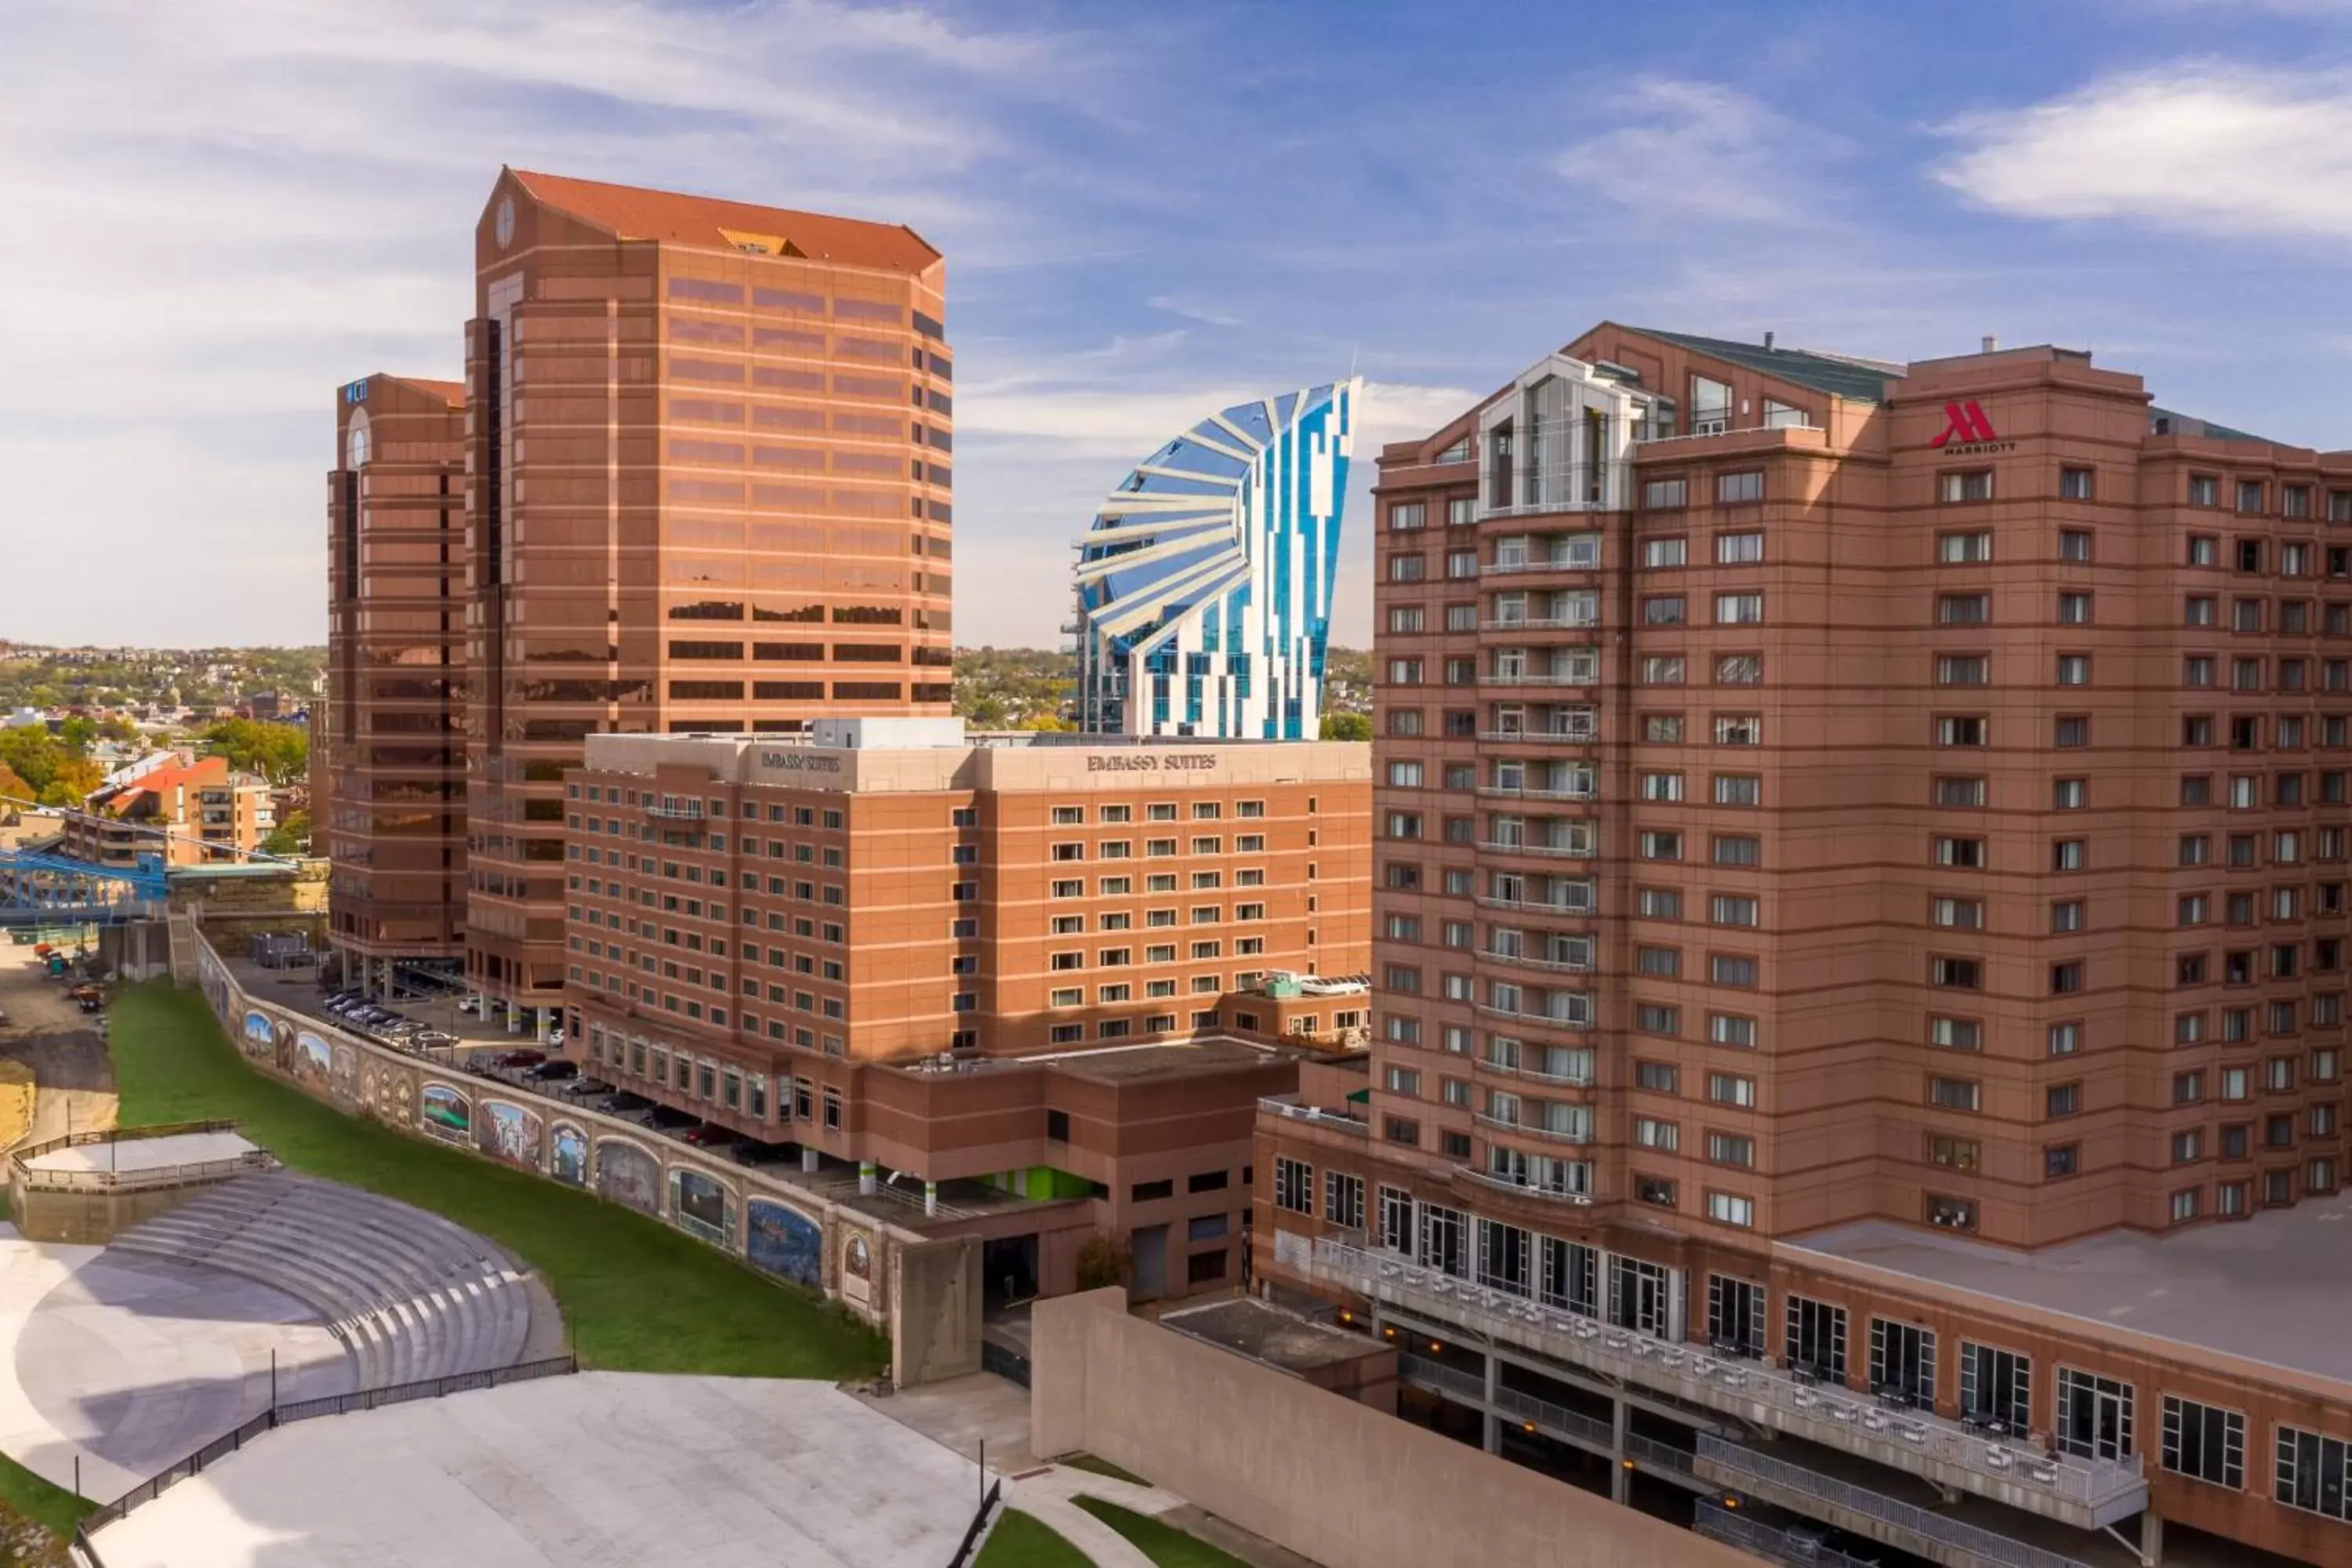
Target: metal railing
{"points": [[1989, 1545], [1770, 1542], [1665, 1456], [979, 1522], [1558, 1417], [1542, 1020], [1910, 1440], [1505, 1183], [1529, 961], [1542, 624], [146, 1175], [1553, 564], [229, 1442], [1588, 736], [122, 1135], [1563, 851], [1568, 1080], [1444, 1379], [1533, 1129], [1542, 678], [1521, 792]]}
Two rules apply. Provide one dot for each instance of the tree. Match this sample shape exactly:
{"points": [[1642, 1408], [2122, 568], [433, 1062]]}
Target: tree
{"points": [[33, 754], [1103, 1260], [1347, 727], [77, 733], [291, 837], [278, 752], [71, 785]]}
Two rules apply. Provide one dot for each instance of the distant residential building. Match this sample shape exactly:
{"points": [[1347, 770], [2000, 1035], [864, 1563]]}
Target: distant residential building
{"points": [[185, 812]]}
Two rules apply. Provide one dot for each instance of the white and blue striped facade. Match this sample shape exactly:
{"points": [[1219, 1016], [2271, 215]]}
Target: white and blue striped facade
{"points": [[1205, 584]]}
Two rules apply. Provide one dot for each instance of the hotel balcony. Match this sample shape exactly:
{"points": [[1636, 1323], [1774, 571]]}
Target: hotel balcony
{"points": [[1520, 1189], [2085, 1494], [1584, 623], [1577, 735], [1563, 849], [1582, 1079], [1578, 789], [1536, 962]]}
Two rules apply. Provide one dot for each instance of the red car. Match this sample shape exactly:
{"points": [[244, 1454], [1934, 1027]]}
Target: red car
{"points": [[521, 1059], [708, 1136]]}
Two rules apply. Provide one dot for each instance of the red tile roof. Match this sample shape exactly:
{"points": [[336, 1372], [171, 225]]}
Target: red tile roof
{"points": [[634, 213], [125, 798]]}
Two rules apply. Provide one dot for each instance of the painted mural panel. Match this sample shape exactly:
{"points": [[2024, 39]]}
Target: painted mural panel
{"points": [[259, 1035], [449, 1115], [568, 1155], [509, 1132], [782, 1240], [628, 1174], [313, 1064], [858, 1269], [344, 1076], [702, 1204]]}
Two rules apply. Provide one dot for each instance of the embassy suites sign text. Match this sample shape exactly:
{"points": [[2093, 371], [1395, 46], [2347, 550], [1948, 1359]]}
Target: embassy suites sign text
{"points": [[1151, 762]]}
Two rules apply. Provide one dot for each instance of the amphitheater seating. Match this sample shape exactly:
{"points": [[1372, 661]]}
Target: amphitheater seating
{"points": [[411, 1295]]}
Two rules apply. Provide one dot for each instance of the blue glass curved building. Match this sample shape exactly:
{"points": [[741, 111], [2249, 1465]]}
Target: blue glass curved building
{"points": [[1204, 583]]}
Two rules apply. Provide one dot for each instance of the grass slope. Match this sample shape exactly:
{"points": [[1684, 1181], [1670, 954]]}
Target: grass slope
{"points": [[1167, 1546], [637, 1295], [1102, 1467], [1022, 1541], [27, 1494]]}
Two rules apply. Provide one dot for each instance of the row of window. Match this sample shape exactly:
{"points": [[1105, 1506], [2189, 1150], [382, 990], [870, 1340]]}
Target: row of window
{"points": [[1156, 811], [2089, 1417], [1124, 848]]}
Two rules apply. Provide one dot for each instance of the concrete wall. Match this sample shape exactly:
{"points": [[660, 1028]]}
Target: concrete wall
{"points": [[758, 1216], [91, 1218], [1323, 1475], [935, 1330]]}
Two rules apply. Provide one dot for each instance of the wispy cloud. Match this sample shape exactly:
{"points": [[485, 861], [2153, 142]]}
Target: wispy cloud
{"points": [[1701, 150], [2204, 146]]}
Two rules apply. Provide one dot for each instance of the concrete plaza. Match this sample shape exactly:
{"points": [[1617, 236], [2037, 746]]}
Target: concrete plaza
{"points": [[597, 1471]]}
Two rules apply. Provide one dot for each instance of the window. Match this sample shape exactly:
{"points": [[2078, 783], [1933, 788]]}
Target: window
{"points": [[1959, 792], [2061, 1100], [1961, 731], [1738, 549], [1739, 669], [1955, 1093], [1731, 1088], [1996, 1385], [1666, 552], [1974, 485], [1736, 489], [1955, 1034], [1738, 609], [1963, 669], [2074, 669], [1956, 549], [1954, 974], [2074, 484], [1738, 789], [2314, 1473], [1665, 495], [2073, 609], [1740, 730], [1729, 1209], [1408, 515], [1727, 969], [1734, 911], [1294, 1185], [2073, 544]]}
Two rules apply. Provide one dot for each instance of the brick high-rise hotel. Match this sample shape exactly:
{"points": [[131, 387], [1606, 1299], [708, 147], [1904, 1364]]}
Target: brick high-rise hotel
{"points": [[1860, 875]]}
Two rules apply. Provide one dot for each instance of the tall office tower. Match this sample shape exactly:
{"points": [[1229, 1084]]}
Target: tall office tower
{"points": [[1860, 902], [1205, 584], [389, 769], [709, 492]]}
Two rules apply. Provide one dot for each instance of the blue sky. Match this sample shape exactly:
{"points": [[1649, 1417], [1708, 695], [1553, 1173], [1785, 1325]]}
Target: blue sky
{"points": [[214, 212]]}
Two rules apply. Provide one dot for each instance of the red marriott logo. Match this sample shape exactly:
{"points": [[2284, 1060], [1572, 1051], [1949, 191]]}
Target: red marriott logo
{"points": [[1965, 423]]}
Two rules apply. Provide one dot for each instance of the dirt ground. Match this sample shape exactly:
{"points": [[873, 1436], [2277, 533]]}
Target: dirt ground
{"points": [[74, 1080]]}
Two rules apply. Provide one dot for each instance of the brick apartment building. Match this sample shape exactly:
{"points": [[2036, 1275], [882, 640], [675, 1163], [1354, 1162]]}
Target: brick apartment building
{"points": [[708, 482], [185, 811], [1055, 971], [1860, 889], [390, 748]]}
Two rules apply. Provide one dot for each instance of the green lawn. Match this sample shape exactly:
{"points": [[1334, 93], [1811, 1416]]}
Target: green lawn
{"points": [[1102, 1467], [1020, 1541], [36, 1498], [1167, 1546], [637, 1295]]}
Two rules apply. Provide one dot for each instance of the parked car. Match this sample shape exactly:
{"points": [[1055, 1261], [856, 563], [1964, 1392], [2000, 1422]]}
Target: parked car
{"points": [[584, 1088], [752, 1151], [431, 1040], [471, 1007], [623, 1104], [518, 1059], [552, 1071], [709, 1135], [667, 1118]]}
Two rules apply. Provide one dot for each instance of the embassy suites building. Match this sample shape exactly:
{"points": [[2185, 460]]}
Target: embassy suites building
{"points": [[1860, 875]]}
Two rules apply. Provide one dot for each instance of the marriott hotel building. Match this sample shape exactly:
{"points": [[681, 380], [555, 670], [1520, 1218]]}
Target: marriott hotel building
{"points": [[1859, 911]]}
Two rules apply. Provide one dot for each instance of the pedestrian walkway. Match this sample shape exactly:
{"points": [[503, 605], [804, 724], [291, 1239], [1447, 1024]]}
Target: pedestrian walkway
{"points": [[1046, 1496]]}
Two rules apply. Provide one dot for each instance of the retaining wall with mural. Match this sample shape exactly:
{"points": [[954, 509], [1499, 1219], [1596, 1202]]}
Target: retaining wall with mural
{"points": [[765, 1220]]}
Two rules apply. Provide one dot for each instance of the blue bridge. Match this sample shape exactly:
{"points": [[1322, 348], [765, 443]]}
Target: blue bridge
{"points": [[55, 889]]}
